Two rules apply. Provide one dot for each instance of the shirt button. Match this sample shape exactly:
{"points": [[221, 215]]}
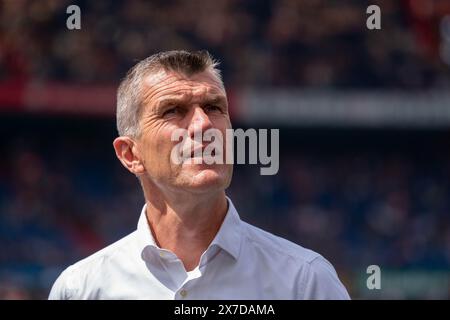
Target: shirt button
{"points": [[183, 293], [162, 254]]}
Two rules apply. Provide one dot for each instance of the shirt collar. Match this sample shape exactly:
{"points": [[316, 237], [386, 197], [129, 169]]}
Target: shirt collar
{"points": [[227, 238]]}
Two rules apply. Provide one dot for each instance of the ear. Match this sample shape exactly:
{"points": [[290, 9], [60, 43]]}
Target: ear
{"points": [[128, 154]]}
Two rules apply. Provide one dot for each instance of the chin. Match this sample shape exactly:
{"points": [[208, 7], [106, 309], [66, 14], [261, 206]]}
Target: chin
{"points": [[209, 179]]}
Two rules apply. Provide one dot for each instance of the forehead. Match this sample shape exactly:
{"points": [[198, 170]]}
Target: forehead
{"points": [[167, 84]]}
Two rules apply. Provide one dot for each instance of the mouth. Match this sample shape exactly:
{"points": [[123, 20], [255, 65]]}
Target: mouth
{"points": [[199, 153]]}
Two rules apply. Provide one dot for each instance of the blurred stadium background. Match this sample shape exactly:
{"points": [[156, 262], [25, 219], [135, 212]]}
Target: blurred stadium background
{"points": [[364, 120]]}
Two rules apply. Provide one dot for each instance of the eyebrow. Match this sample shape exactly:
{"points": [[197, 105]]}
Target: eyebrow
{"points": [[215, 99], [184, 99]]}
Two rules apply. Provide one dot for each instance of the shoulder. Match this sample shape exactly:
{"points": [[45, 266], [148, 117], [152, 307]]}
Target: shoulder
{"points": [[74, 279], [322, 282], [277, 246], [316, 277]]}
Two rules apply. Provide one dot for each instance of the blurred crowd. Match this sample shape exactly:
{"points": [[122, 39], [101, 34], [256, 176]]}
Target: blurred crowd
{"points": [[279, 43], [61, 199], [64, 196]]}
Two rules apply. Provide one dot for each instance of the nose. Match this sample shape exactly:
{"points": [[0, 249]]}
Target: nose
{"points": [[199, 121]]}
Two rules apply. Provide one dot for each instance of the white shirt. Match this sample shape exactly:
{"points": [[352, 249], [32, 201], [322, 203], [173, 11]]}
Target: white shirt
{"points": [[242, 262]]}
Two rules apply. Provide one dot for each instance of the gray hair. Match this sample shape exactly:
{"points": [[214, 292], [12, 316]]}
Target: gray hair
{"points": [[129, 93]]}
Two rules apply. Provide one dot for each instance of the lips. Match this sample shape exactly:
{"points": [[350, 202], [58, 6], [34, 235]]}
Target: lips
{"points": [[200, 151], [197, 150], [188, 153]]}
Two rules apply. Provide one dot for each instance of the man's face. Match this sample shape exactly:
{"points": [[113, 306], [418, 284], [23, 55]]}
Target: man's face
{"points": [[194, 103]]}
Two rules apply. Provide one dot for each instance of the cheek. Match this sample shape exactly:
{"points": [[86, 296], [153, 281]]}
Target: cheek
{"points": [[158, 146], [222, 123], [166, 146]]}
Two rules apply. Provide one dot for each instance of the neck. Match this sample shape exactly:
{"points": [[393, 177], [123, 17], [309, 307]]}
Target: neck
{"points": [[186, 223]]}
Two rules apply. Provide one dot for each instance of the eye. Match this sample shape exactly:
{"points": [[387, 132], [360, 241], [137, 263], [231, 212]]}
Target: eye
{"points": [[212, 108], [175, 110]]}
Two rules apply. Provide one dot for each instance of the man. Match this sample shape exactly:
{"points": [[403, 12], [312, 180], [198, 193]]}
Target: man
{"points": [[190, 242]]}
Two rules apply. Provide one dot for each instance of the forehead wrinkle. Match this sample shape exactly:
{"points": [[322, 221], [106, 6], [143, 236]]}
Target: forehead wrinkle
{"points": [[166, 79], [182, 97], [152, 91], [193, 96], [181, 94], [186, 90]]}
